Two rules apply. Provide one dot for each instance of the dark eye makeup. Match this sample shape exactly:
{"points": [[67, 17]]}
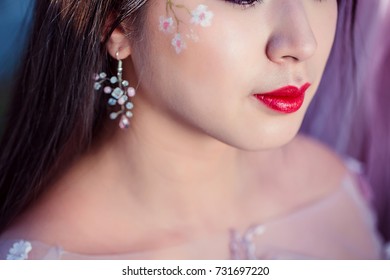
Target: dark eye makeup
{"points": [[250, 3], [244, 3]]}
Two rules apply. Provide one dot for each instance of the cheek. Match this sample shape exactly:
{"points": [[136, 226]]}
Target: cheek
{"points": [[204, 70], [324, 28]]}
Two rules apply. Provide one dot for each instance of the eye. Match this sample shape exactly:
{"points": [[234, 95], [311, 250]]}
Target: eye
{"points": [[250, 3], [244, 3]]}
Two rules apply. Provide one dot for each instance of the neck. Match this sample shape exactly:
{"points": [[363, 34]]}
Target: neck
{"points": [[164, 155], [168, 168]]}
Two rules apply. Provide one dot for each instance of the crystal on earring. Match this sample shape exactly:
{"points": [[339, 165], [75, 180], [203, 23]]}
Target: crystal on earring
{"points": [[97, 86], [113, 80], [107, 90], [113, 116], [117, 93], [122, 100], [112, 102], [125, 83], [103, 75], [124, 123], [129, 114], [129, 105], [131, 92]]}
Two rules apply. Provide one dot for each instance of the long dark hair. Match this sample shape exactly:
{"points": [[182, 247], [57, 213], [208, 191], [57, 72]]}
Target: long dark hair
{"points": [[55, 113]]}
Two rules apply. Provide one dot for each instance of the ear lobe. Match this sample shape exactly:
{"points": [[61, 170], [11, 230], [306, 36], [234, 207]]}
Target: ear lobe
{"points": [[118, 45]]}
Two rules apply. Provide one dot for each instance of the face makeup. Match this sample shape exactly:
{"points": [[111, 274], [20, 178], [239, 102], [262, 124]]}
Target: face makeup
{"points": [[209, 87], [171, 23], [286, 100]]}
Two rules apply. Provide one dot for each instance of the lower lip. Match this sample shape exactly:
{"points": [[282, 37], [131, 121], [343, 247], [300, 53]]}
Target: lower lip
{"points": [[285, 100]]}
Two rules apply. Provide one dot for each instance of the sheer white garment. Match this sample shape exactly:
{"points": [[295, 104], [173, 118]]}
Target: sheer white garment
{"points": [[339, 226]]}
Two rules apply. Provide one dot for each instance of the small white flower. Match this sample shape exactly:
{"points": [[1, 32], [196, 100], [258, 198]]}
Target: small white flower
{"points": [[202, 16], [178, 43], [19, 250], [166, 24]]}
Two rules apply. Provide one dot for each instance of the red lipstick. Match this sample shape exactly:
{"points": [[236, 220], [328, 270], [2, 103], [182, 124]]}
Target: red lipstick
{"points": [[286, 100]]}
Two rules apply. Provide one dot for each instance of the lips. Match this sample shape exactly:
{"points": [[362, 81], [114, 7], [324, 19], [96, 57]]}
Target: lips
{"points": [[286, 100]]}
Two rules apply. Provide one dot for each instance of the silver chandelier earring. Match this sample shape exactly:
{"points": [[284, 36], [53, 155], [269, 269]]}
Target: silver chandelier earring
{"points": [[120, 94]]}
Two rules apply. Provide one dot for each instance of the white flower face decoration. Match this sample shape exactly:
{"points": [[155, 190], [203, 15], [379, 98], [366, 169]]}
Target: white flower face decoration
{"points": [[166, 24], [178, 43], [170, 24], [202, 16]]}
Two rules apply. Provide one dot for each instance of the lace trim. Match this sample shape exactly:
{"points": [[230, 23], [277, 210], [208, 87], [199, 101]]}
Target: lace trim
{"points": [[19, 250], [243, 247]]}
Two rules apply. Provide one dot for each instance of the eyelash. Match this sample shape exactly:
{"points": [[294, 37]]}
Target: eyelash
{"points": [[245, 3], [252, 3]]}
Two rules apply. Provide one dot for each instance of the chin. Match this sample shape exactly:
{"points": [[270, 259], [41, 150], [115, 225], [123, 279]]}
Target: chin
{"points": [[265, 140], [270, 144]]}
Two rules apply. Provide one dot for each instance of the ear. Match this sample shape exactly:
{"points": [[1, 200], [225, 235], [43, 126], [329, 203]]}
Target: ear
{"points": [[118, 45]]}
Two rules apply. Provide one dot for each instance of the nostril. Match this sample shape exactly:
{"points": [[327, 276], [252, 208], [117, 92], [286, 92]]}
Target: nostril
{"points": [[288, 57], [291, 47], [292, 37]]}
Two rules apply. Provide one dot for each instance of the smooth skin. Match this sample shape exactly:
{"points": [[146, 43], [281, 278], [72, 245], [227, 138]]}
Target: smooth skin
{"points": [[202, 155]]}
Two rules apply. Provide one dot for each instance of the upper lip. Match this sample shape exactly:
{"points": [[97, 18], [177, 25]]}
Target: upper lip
{"points": [[288, 91]]}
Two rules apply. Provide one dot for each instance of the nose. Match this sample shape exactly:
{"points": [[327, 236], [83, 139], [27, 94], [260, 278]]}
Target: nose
{"points": [[292, 38]]}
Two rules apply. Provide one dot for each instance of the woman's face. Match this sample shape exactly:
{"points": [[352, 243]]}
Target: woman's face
{"points": [[209, 82]]}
